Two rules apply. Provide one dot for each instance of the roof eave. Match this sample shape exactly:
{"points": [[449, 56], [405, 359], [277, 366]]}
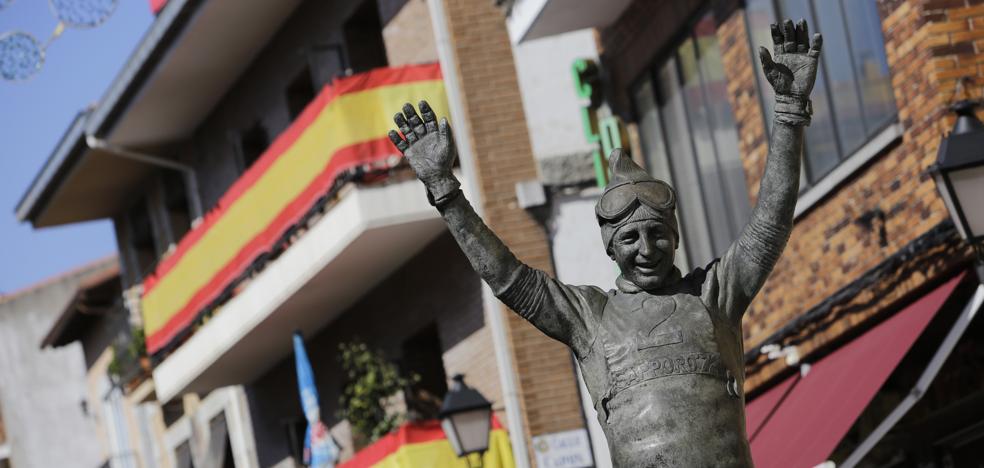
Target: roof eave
{"points": [[167, 27], [61, 161], [97, 121], [62, 331]]}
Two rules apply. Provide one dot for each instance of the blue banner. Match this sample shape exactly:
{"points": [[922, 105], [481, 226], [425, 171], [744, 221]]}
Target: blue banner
{"points": [[320, 450]]}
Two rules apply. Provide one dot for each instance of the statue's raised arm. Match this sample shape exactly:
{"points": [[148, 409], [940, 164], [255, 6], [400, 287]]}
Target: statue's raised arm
{"points": [[792, 71], [430, 149], [556, 309]]}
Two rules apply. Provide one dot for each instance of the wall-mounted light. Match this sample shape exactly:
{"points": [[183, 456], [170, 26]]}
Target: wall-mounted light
{"points": [[959, 174], [466, 417]]}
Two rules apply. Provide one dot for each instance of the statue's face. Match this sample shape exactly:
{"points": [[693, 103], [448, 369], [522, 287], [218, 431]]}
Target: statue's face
{"points": [[644, 252]]}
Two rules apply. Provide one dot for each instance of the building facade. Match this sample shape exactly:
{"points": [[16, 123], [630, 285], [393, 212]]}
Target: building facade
{"points": [[872, 247], [43, 393], [251, 199], [241, 155]]}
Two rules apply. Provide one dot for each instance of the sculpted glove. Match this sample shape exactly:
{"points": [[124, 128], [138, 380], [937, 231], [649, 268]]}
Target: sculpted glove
{"points": [[793, 71], [429, 147]]}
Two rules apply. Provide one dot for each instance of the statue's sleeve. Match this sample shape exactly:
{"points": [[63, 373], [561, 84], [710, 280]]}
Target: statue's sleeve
{"points": [[565, 313], [732, 282], [569, 314]]}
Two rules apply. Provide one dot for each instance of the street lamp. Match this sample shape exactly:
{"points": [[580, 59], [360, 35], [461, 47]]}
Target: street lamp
{"points": [[959, 174], [466, 417]]}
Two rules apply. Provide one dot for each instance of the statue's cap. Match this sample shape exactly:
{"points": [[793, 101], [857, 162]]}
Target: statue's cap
{"points": [[623, 169], [630, 188]]}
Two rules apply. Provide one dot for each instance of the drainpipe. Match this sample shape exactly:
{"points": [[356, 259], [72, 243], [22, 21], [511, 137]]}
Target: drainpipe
{"points": [[191, 181], [466, 155]]}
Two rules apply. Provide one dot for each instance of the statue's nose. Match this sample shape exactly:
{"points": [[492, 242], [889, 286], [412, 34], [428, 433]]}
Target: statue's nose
{"points": [[646, 247]]}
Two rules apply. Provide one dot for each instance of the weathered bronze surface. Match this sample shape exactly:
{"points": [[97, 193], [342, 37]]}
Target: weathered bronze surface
{"points": [[662, 353]]}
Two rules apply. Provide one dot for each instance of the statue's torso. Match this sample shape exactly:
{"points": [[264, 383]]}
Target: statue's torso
{"points": [[665, 375]]}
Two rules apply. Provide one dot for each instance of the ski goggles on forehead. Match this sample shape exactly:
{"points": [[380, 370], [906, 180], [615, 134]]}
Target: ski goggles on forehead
{"points": [[621, 199]]}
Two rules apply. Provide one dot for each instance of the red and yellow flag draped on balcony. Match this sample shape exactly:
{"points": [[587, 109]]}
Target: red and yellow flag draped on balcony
{"points": [[344, 127], [423, 444]]}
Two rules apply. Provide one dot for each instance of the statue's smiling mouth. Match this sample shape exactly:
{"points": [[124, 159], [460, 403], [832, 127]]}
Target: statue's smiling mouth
{"points": [[648, 268]]}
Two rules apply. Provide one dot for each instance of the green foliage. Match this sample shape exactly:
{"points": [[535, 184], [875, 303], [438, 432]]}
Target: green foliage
{"points": [[370, 380], [137, 347], [127, 354], [115, 369]]}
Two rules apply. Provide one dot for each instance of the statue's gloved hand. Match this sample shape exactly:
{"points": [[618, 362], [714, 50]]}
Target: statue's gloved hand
{"points": [[429, 147], [793, 71]]}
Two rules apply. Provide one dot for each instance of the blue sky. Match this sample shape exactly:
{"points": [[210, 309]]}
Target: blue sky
{"points": [[33, 115]]}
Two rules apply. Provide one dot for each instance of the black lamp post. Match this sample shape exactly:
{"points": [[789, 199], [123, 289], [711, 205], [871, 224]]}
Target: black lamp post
{"points": [[466, 417], [959, 174]]}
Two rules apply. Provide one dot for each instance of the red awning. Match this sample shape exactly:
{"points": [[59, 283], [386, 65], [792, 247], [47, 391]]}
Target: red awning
{"points": [[815, 412]]}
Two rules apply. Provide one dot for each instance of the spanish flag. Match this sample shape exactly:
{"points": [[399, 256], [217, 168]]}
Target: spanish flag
{"points": [[344, 127], [423, 444]]}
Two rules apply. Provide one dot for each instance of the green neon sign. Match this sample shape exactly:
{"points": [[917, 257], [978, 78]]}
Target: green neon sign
{"points": [[606, 132]]}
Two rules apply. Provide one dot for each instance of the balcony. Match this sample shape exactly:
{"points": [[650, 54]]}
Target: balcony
{"points": [[359, 242], [298, 238], [317, 189]]}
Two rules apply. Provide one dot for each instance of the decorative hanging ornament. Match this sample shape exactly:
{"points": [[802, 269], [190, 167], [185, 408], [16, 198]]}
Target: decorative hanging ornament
{"points": [[21, 55], [82, 14]]}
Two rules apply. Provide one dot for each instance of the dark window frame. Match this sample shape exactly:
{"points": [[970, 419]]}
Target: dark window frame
{"points": [[244, 153], [300, 92], [362, 33], [142, 257], [809, 179], [176, 205]]}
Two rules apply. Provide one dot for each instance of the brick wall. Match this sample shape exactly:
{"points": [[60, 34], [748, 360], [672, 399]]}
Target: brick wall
{"points": [[503, 157], [929, 45], [954, 39]]}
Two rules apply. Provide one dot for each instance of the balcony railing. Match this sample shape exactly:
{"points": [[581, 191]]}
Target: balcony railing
{"points": [[341, 134]]}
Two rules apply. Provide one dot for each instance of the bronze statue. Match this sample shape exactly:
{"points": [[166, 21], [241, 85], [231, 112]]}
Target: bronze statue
{"points": [[662, 353]]}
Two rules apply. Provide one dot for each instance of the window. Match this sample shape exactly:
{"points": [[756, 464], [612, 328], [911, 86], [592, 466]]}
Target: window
{"points": [[144, 248], [852, 99], [252, 143], [182, 456], [172, 411], [176, 203], [364, 38], [689, 136], [219, 446], [295, 430], [300, 93], [327, 62], [421, 356]]}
